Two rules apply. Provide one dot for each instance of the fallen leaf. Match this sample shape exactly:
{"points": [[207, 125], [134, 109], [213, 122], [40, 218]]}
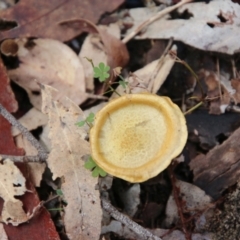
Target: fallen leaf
{"points": [[42, 19], [37, 170], [83, 212], [13, 184], [195, 199], [31, 120], [22, 142], [116, 51], [219, 91], [120, 229], [44, 139], [8, 100], [3, 235], [50, 62], [94, 49], [235, 83], [178, 235], [210, 26], [149, 78], [219, 168], [40, 226], [131, 199]]}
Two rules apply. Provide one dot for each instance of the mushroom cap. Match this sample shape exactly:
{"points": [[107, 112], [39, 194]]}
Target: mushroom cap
{"points": [[136, 136]]}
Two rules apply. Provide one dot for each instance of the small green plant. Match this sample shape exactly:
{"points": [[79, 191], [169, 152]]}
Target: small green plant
{"points": [[123, 83], [97, 171], [101, 72], [60, 194], [89, 120]]}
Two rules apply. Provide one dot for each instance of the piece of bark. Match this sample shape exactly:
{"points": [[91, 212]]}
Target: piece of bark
{"points": [[219, 168]]}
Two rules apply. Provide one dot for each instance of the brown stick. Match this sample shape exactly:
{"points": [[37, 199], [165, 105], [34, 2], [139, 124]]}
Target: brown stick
{"points": [[42, 154], [139, 230], [152, 19]]}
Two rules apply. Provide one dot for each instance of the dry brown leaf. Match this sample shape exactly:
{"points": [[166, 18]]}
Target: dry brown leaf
{"points": [[219, 91], [160, 73], [93, 49], [12, 184], [3, 235], [50, 62], [149, 78], [212, 26], [195, 199], [44, 139], [115, 49], [235, 83], [31, 120], [22, 142], [42, 18], [37, 170], [83, 214]]}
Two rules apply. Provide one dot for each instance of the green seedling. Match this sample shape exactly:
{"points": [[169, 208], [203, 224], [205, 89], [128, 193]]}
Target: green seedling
{"points": [[123, 84], [89, 120], [97, 171], [101, 72], [60, 194]]}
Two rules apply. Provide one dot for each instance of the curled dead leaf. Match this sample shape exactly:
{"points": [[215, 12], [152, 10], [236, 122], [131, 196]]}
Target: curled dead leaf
{"points": [[50, 62]]}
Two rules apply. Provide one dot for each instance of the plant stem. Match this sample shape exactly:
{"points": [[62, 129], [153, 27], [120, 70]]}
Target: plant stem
{"points": [[41, 151], [193, 108], [114, 91]]}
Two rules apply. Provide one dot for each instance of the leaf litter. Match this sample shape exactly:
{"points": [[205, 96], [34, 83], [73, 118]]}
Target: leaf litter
{"points": [[208, 26], [83, 213], [67, 145], [50, 62], [13, 184]]}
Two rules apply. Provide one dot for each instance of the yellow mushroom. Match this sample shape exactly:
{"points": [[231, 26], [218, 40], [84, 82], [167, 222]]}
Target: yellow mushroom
{"points": [[136, 136]]}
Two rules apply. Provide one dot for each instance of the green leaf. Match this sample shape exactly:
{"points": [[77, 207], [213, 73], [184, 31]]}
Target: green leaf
{"points": [[98, 172], [81, 123], [123, 83], [95, 172], [101, 72], [90, 118], [101, 172], [90, 164], [59, 192]]}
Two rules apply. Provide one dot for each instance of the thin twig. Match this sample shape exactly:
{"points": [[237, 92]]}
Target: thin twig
{"points": [[234, 70], [21, 158], [159, 65], [139, 230], [178, 201], [41, 151], [154, 18], [219, 82]]}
